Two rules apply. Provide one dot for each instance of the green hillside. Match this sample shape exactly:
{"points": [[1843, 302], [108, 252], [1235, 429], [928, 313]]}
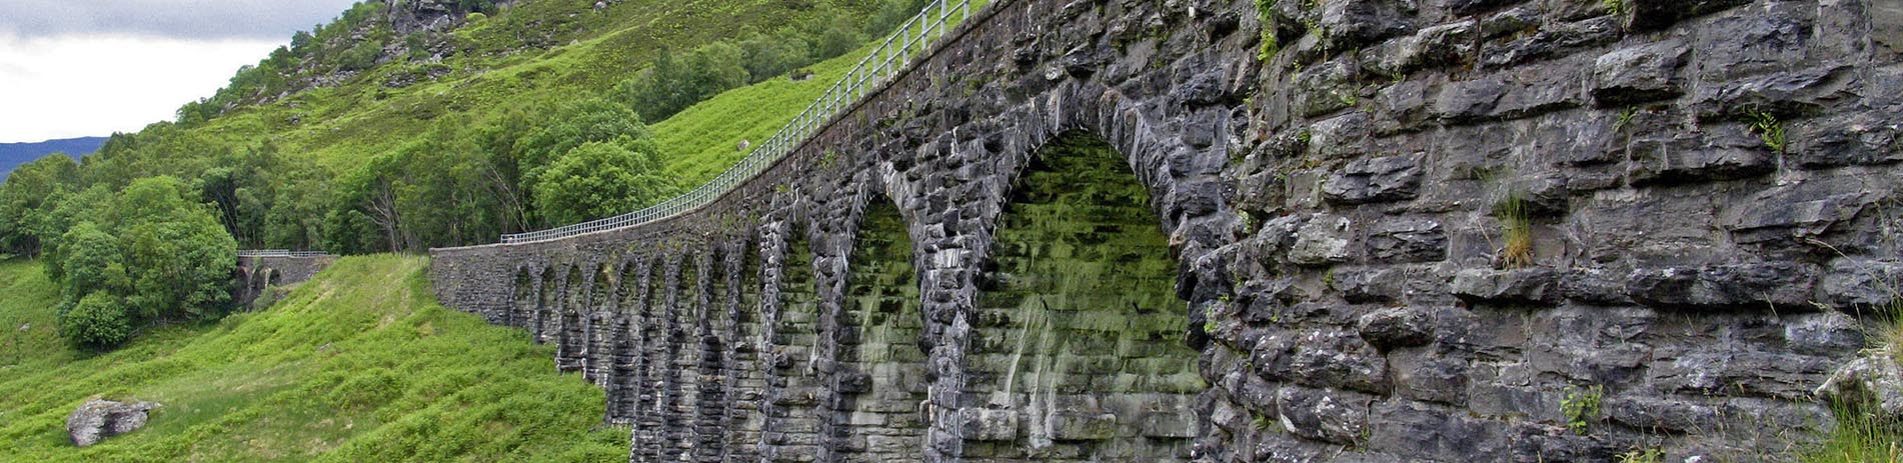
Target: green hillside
{"points": [[360, 364], [540, 51], [375, 134]]}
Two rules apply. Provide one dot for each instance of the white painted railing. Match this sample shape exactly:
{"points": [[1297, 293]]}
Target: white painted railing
{"points": [[280, 253], [881, 66]]}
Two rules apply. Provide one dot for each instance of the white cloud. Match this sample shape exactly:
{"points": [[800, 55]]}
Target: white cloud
{"points": [[76, 85], [200, 19]]}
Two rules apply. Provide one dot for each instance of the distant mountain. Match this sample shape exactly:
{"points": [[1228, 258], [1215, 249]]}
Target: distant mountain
{"points": [[14, 154]]}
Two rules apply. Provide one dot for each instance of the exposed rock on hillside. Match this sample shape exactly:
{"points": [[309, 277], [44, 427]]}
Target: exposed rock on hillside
{"points": [[99, 419]]}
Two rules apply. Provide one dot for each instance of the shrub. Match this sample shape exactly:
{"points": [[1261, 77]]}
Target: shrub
{"points": [[599, 180], [98, 321]]}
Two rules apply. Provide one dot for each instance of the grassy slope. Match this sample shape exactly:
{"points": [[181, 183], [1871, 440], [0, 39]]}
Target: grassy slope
{"points": [[343, 125], [704, 140], [358, 365]]}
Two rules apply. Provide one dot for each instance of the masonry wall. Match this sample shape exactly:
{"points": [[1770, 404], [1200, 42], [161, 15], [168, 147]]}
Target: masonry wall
{"points": [[1398, 231], [255, 274]]}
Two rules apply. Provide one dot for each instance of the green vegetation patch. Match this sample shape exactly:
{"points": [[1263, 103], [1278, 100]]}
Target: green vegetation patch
{"points": [[359, 364]]}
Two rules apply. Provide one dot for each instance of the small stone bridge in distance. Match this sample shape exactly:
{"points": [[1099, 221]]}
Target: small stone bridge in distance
{"points": [[259, 270], [1235, 231]]}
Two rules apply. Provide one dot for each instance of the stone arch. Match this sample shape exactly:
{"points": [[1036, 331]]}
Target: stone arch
{"points": [[522, 298], [570, 338], [882, 381], [1076, 344], [254, 283], [624, 343], [791, 333], [547, 296], [597, 323]]}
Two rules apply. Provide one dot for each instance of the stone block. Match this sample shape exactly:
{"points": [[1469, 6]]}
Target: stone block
{"points": [[1339, 417], [1649, 15], [1369, 180], [1734, 371], [1396, 327], [1338, 359], [1172, 424], [1323, 239], [1829, 334], [1780, 286], [1639, 74], [1550, 40], [1422, 375], [990, 425], [1429, 432], [1083, 425], [1407, 240], [1684, 159], [1536, 285], [1862, 284], [1350, 24]]}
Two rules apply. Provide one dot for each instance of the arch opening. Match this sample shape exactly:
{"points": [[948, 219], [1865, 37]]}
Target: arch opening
{"points": [[597, 324], [545, 304], [680, 379], [1076, 350], [886, 383], [568, 351], [623, 345], [650, 358], [524, 300]]}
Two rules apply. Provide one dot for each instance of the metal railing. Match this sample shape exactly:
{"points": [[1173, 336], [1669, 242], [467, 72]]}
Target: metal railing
{"points": [[280, 253], [912, 39]]}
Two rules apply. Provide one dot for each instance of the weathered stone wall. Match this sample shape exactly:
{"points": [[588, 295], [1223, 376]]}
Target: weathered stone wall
{"points": [[1435, 230], [255, 274]]}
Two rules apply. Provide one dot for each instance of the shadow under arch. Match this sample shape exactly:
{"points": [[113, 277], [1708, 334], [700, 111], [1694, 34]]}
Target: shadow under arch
{"points": [[547, 294], [624, 342], [598, 322], [522, 306], [1077, 348], [568, 348], [885, 381]]}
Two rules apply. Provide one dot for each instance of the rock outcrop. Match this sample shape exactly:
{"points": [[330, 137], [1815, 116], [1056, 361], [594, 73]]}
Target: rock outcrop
{"points": [[1876, 380], [99, 419]]}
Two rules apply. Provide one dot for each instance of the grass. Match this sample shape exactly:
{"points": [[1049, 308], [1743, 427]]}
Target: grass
{"points": [[359, 364], [545, 51], [1517, 226], [1859, 437], [703, 140]]}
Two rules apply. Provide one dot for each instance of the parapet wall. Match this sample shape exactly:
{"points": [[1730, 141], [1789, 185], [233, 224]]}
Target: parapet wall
{"points": [[1440, 230]]}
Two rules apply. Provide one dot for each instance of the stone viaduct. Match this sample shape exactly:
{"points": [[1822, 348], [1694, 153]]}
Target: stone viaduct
{"points": [[258, 271], [1280, 230]]}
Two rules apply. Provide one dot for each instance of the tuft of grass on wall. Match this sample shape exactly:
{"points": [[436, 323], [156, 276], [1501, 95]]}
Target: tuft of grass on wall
{"points": [[1517, 227]]}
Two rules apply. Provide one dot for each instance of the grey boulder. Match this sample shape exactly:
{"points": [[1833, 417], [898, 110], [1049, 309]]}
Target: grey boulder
{"points": [[99, 419]]}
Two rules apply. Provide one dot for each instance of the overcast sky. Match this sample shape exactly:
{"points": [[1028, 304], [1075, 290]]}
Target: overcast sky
{"points": [[71, 68]]}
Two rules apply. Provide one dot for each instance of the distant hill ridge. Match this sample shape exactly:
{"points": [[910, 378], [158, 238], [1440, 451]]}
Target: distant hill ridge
{"points": [[14, 154]]}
